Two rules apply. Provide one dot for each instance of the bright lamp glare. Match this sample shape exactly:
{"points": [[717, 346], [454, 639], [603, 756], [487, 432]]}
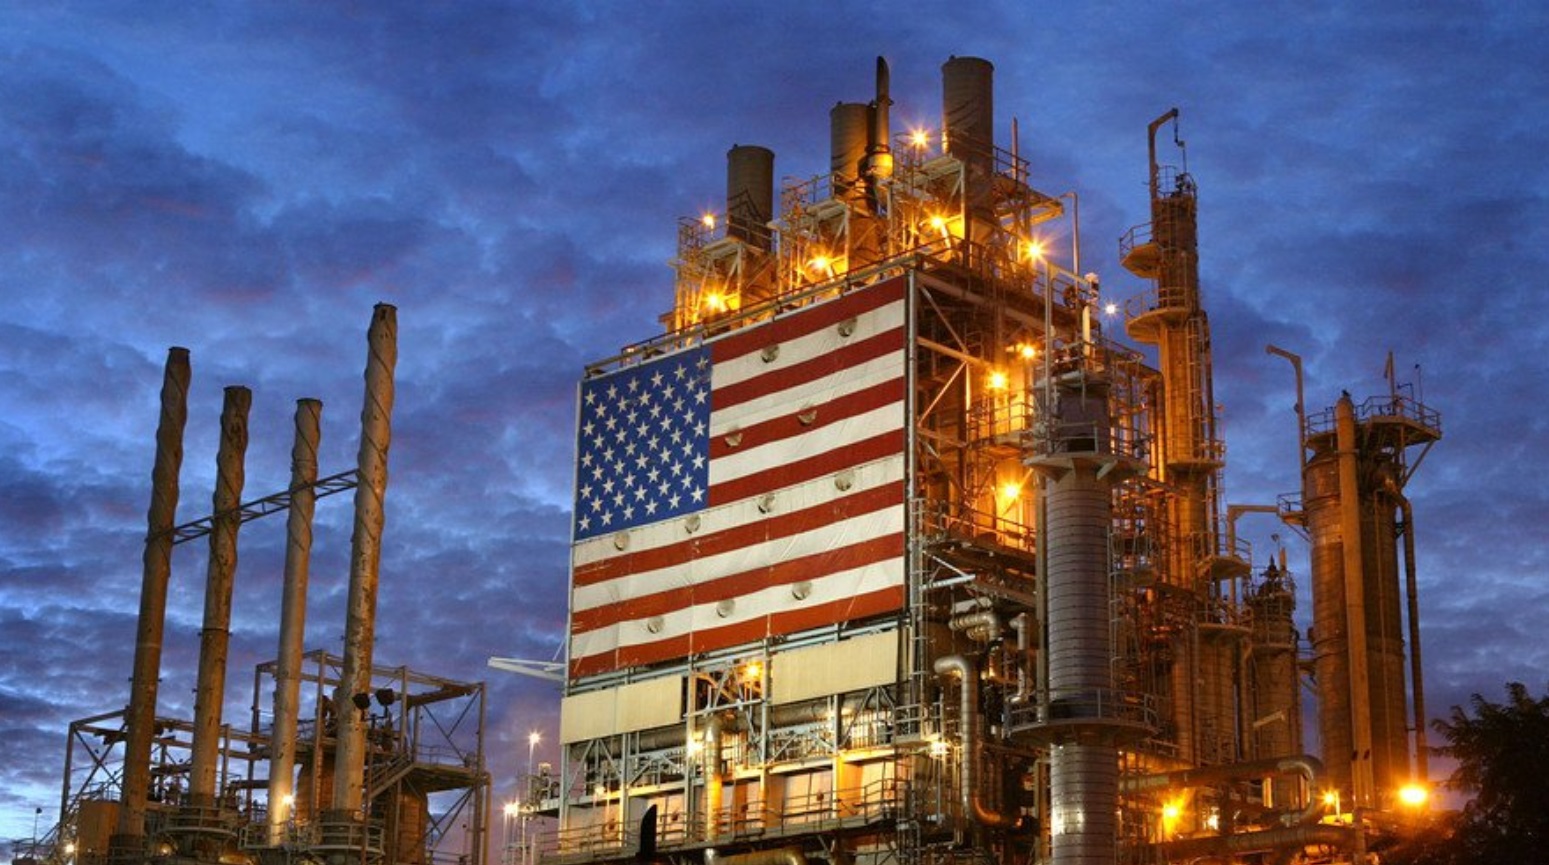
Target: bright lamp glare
{"points": [[1413, 795]]}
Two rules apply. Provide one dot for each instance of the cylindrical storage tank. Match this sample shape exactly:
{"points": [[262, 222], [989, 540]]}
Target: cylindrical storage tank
{"points": [[750, 194], [1276, 709], [94, 825], [1217, 690], [1080, 655], [314, 787], [1174, 228], [847, 125]]}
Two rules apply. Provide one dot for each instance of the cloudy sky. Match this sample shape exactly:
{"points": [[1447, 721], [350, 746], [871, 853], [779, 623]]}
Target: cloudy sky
{"points": [[247, 180]]}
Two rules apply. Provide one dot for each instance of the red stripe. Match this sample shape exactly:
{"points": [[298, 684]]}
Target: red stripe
{"points": [[807, 321], [790, 425], [780, 526], [783, 573], [874, 603], [830, 461], [811, 369]]}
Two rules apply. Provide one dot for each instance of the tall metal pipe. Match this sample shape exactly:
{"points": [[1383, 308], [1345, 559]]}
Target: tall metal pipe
{"points": [[365, 560], [968, 725], [215, 635], [1416, 669], [293, 614], [750, 194], [1361, 777], [715, 772], [160, 520]]}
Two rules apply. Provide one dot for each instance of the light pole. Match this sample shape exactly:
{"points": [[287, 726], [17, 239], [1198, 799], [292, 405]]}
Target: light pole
{"points": [[530, 800], [512, 809]]}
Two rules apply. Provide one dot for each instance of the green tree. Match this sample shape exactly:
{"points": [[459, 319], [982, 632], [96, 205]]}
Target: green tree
{"points": [[1502, 754]]}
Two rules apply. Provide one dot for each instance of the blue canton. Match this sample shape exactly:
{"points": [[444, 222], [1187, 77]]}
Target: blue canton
{"points": [[643, 444]]}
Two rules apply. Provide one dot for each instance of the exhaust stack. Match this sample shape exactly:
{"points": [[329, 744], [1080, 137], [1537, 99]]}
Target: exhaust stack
{"points": [[215, 636], [293, 614], [141, 717], [365, 561]]}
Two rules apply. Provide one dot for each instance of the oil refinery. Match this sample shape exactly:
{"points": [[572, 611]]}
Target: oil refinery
{"points": [[901, 543]]}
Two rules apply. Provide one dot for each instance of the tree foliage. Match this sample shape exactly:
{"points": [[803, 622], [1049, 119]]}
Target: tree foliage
{"points": [[1502, 754]]}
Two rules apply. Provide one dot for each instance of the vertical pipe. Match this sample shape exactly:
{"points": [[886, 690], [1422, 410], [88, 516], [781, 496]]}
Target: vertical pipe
{"points": [[160, 519], [215, 636], [293, 615], [1416, 671], [365, 558], [1355, 602]]}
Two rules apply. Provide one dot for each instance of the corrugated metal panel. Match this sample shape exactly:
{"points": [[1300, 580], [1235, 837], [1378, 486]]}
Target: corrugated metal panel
{"points": [[835, 668], [636, 706]]}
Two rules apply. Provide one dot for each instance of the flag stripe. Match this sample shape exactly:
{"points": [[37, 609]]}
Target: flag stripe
{"points": [[825, 463], [784, 572], [793, 375], [651, 548], [809, 320], [823, 415], [833, 537], [848, 609]]}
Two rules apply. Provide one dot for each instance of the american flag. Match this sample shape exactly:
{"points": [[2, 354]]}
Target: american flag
{"points": [[751, 486]]}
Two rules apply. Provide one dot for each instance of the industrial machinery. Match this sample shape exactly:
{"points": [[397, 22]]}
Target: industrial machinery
{"points": [[345, 760], [886, 550]]}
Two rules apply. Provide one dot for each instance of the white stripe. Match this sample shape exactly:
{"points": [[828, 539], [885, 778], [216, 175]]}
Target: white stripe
{"points": [[888, 470], [775, 599], [832, 536], [819, 390], [742, 462], [822, 342]]}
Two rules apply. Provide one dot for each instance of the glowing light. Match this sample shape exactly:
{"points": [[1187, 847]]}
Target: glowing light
{"points": [[997, 380], [715, 302], [1034, 250], [820, 263], [752, 670], [69, 848], [919, 139], [939, 747], [1027, 351], [708, 221], [1171, 812], [1010, 492], [1110, 308], [514, 808], [534, 738], [601, 790], [1413, 795], [287, 800], [939, 223]]}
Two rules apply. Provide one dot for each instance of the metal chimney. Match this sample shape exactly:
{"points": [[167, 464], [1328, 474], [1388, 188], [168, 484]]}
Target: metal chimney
{"points": [[293, 615], [141, 715], [968, 124], [365, 560], [750, 194], [215, 636]]}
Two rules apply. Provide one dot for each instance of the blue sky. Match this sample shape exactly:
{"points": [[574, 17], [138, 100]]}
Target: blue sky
{"points": [[247, 180]]}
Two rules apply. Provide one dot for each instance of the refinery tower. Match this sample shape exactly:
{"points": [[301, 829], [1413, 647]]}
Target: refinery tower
{"points": [[886, 549]]}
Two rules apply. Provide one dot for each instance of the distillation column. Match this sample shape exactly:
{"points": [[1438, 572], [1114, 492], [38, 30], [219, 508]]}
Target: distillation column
{"points": [[1206, 654], [1353, 499], [1080, 717]]}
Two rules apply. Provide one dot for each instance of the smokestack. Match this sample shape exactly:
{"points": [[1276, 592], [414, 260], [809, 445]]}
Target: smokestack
{"points": [[968, 120], [141, 715], [879, 154], [365, 559], [215, 636], [293, 615], [750, 194], [847, 131]]}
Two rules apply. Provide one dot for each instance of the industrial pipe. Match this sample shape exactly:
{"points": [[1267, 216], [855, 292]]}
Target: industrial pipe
{"points": [[981, 625], [1022, 625], [1307, 766], [1301, 409], [140, 719], [968, 735], [1416, 670], [215, 635], [714, 772], [293, 613], [1265, 839], [365, 561], [1361, 779]]}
